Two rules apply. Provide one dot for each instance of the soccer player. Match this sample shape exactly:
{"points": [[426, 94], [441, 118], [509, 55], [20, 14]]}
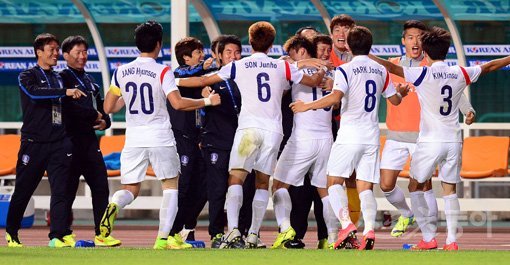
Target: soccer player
{"points": [[306, 152], [403, 123], [84, 117], [145, 86], [361, 82], [439, 89], [340, 54], [44, 143], [187, 126], [261, 81]]}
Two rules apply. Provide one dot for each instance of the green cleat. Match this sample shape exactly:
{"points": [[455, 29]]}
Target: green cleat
{"points": [[323, 244], [176, 242], [161, 243], [108, 241], [13, 241], [401, 226], [69, 240], [58, 243], [283, 237], [106, 225], [216, 241]]}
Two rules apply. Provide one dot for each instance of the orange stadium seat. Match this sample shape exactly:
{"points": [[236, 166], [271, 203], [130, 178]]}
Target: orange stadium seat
{"points": [[111, 144], [9, 155], [485, 156]]}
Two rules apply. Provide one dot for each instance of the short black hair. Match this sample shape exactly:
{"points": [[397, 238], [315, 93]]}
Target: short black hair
{"points": [[436, 43], [341, 20], [322, 38], [43, 39], [414, 24], [215, 42], [359, 40], [298, 42], [186, 47], [298, 32], [147, 36], [71, 41], [229, 39]]}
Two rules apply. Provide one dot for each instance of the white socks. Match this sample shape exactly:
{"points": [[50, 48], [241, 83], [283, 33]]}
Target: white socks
{"points": [[330, 220], [423, 218], [259, 207], [396, 198], [452, 210], [339, 204], [167, 212], [282, 207], [122, 198], [234, 201], [368, 209]]}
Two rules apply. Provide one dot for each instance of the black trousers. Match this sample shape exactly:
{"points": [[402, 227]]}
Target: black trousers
{"points": [[192, 184], [302, 198], [88, 161], [33, 160], [216, 161]]}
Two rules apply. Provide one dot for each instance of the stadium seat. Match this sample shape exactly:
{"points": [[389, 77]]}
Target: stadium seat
{"points": [[111, 144], [485, 156], [9, 155]]}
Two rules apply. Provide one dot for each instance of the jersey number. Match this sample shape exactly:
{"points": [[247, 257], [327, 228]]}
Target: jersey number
{"points": [[370, 99], [263, 85], [143, 87], [324, 93], [446, 92]]}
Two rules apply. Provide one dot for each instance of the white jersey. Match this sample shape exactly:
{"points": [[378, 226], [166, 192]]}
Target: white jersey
{"points": [[314, 124], [440, 88], [362, 81], [261, 81], [144, 85]]}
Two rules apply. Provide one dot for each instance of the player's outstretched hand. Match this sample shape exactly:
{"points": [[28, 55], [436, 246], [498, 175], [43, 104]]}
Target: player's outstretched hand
{"points": [[208, 63], [297, 106], [215, 99], [403, 89], [470, 118], [206, 91], [75, 93]]}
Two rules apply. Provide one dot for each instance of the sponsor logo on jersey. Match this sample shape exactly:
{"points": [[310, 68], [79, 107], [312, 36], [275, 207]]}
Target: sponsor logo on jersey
{"points": [[214, 158], [184, 160], [25, 159]]}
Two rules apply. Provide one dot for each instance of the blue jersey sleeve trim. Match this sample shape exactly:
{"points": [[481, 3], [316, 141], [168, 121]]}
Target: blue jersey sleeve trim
{"points": [[33, 96], [115, 78], [233, 71], [343, 73], [421, 77]]}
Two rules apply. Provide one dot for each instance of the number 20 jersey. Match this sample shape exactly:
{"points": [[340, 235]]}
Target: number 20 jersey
{"points": [[261, 81], [362, 81], [439, 89], [144, 85]]}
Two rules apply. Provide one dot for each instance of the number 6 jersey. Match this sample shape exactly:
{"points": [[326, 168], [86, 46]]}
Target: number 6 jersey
{"points": [[362, 81], [145, 85], [261, 81], [439, 89]]}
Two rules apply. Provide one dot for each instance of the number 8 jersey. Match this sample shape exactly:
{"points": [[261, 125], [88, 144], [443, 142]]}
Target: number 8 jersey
{"points": [[439, 89], [362, 81], [261, 81], [145, 85]]}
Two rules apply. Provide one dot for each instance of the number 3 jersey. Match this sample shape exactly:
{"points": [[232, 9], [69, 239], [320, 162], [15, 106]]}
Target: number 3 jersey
{"points": [[144, 85], [362, 81], [439, 89], [261, 81]]}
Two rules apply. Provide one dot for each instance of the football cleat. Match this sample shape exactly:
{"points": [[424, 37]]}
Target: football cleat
{"points": [[422, 245], [253, 241], [13, 241], [345, 236], [106, 225], [368, 241], [401, 226], [232, 240], [176, 242], [283, 237], [108, 241], [451, 247]]}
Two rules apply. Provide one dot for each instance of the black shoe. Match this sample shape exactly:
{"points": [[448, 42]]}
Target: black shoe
{"points": [[216, 241], [295, 243]]}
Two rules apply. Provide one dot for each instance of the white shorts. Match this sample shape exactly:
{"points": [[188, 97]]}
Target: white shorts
{"points": [[395, 154], [301, 157], [135, 160], [255, 149], [364, 158], [429, 155]]}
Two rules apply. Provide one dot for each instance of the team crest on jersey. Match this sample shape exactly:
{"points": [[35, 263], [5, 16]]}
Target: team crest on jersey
{"points": [[214, 158], [25, 159], [184, 160]]}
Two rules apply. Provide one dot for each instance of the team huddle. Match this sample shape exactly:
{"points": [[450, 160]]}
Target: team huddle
{"points": [[226, 113]]}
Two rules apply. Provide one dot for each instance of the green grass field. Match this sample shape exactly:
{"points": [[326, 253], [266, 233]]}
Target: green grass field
{"points": [[123, 256]]}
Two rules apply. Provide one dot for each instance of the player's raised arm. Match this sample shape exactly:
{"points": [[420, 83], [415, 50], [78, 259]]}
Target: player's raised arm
{"points": [[201, 81], [315, 79], [186, 104], [391, 67], [495, 64], [402, 90], [325, 102]]}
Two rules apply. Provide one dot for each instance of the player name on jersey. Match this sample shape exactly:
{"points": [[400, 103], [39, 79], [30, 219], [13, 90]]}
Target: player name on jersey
{"points": [[260, 65], [138, 71], [445, 75], [366, 70]]}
